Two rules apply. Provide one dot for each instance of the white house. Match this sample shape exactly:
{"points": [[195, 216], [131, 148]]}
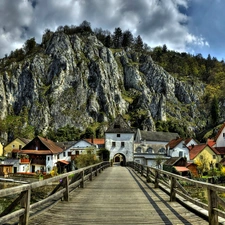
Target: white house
{"points": [[71, 151], [119, 140], [179, 147], [149, 146]]}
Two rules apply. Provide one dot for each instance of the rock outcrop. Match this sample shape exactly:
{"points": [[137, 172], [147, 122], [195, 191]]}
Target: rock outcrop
{"points": [[74, 80]]}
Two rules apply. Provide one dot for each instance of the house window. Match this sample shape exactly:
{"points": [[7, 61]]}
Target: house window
{"points": [[48, 158], [201, 156], [180, 154], [13, 146], [223, 135], [77, 152], [149, 150], [69, 153], [20, 147], [122, 144], [222, 156], [138, 149], [113, 144], [116, 126], [118, 135], [64, 154], [214, 156]]}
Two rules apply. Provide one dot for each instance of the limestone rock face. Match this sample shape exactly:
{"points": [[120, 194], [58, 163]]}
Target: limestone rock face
{"points": [[77, 81]]}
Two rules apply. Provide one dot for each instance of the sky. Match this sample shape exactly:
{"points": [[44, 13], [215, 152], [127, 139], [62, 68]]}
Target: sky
{"points": [[192, 26]]}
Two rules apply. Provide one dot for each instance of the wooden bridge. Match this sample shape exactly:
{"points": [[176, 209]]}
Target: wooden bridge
{"points": [[113, 195]]}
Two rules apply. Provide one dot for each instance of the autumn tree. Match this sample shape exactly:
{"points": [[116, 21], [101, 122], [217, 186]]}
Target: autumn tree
{"points": [[202, 164]]}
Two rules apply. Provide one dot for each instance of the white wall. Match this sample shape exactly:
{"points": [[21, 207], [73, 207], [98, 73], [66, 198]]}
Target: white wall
{"points": [[127, 150], [220, 142]]}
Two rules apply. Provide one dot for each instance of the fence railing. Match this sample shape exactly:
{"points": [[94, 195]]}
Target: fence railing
{"points": [[181, 189], [21, 206]]}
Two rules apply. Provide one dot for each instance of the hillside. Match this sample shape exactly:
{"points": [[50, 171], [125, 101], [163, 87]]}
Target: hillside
{"points": [[72, 85]]}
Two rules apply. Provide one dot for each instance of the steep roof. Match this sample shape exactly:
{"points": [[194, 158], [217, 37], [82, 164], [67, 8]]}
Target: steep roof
{"points": [[196, 149], [210, 142], [220, 150], [96, 141], [119, 125], [173, 143], [219, 132], [24, 140], [157, 136], [50, 145], [172, 161]]}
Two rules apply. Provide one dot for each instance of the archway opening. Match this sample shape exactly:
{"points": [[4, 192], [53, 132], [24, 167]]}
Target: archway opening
{"points": [[119, 159]]}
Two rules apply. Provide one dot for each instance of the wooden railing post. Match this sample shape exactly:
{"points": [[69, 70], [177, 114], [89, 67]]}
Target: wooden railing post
{"points": [[172, 189], [25, 203], [99, 166], [156, 179], [66, 186], [142, 170], [212, 203], [91, 176], [96, 171], [82, 179], [148, 175]]}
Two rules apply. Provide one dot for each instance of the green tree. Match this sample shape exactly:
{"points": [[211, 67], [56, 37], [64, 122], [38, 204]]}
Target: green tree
{"points": [[87, 158], [138, 43], [103, 154], [29, 45], [215, 111], [127, 39], [117, 38]]}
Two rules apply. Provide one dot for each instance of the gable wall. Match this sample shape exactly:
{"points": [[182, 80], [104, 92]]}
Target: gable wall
{"points": [[15, 144], [220, 142], [208, 154], [127, 150]]}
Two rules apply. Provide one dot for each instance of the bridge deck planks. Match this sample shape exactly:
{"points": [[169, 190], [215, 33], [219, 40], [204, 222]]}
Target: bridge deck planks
{"points": [[118, 196]]}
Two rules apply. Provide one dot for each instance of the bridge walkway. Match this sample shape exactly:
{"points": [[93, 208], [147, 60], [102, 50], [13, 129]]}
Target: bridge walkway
{"points": [[117, 196]]}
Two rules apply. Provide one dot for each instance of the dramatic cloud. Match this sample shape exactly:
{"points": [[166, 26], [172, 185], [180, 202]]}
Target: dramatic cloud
{"points": [[183, 25]]}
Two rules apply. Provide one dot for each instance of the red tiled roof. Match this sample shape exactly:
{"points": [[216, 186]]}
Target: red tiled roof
{"points": [[97, 141], [220, 150], [210, 142], [50, 145], [195, 150], [181, 168], [63, 161], [173, 143], [187, 140], [219, 132]]}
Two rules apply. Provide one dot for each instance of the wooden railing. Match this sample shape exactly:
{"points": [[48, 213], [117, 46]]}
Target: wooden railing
{"points": [[64, 184], [181, 189]]}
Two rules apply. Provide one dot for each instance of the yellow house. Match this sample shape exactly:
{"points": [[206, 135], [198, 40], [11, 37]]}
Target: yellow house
{"points": [[203, 152], [17, 143], [1, 149]]}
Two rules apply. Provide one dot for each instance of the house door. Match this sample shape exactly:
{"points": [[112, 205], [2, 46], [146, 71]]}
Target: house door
{"points": [[14, 169], [33, 169]]}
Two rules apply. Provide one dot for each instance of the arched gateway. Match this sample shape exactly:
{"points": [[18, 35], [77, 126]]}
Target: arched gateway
{"points": [[119, 140]]}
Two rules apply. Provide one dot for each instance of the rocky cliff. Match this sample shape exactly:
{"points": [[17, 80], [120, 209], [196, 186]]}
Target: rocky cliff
{"points": [[74, 80]]}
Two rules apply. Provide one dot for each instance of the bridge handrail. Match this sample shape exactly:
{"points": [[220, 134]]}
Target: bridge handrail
{"points": [[77, 178], [171, 187]]}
